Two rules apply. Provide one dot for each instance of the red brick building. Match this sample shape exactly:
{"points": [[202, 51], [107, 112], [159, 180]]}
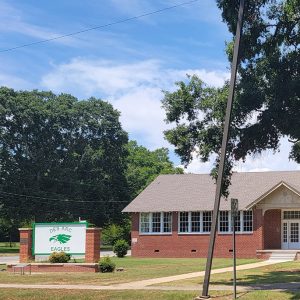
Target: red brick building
{"points": [[172, 216]]}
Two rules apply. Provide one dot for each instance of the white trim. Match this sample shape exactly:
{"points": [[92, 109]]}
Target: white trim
{"points": [[282, 183], [150, 214]]}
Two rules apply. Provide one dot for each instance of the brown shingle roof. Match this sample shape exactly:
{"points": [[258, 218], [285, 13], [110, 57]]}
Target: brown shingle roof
{"points": [[194, 192]]}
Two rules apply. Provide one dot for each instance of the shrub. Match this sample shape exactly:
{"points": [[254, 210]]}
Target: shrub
{"points": [[106, 265], [120, 248], [113, 232], [59, 257]]}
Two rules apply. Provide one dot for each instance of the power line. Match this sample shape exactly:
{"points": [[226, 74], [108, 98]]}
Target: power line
{"points": [[63, 200], [100, 26]]}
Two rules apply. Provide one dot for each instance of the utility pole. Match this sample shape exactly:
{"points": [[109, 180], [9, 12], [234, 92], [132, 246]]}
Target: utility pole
{"points": [[223, 152]]}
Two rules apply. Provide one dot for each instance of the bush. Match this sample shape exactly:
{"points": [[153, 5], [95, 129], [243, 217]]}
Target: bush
{"points": [[121, 247], [113, 232], [59, 257], [106, 265]]}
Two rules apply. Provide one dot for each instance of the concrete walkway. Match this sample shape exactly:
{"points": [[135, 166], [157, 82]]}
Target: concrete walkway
{"points": [[10, 259], [147, 283]]}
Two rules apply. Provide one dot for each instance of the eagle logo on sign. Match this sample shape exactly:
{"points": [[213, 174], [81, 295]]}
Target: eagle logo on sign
{"points": [[61, 238]]}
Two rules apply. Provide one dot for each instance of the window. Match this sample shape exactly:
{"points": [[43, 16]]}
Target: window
{"points": [[184, 222], [167, 222], [196, 221], [156, 222], [200, 222], [247, 221], [207, 218], [145, 224], [224, 221], [291, 214]]}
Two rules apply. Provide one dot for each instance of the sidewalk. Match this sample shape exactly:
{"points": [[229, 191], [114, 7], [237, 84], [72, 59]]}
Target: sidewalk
{"points": [[147, 283]]}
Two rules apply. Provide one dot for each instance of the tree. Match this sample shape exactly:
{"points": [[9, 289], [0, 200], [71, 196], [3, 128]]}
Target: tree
{"points": [[143, 166], [267, 99], [67, 156]]}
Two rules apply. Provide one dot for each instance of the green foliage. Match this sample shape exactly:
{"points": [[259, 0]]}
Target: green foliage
{"points": [[106, 265], [62, 158], [113, 232], [267, 98], [120, 248], [268, 86], [59, 257], [55, 146], [145, 165]]}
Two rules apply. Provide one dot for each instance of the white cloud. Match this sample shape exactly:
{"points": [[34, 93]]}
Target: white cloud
{"points": [[269, 161], [135, 89], [142, 116], [266, 161], [12, 20], [13, 81]]}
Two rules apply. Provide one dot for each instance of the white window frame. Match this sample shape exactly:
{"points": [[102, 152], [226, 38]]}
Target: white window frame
{"points": [[150, 224], [241, 231]]}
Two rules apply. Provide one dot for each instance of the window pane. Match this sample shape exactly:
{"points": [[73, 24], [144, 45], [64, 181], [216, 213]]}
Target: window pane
{"points": [[224, 221], [291, 214], [168, 222], [145, 224], [207, 217], [248, 223], [195, 218], [156, 222], [184, 222]]}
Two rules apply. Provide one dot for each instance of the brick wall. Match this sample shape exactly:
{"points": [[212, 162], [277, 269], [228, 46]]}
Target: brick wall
{"points": [[92, 245], [272, 229], [25, 244], [195, 245]]}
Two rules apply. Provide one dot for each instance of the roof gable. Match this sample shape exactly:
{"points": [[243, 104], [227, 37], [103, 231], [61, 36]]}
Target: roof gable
{"points": [[273, 189]]}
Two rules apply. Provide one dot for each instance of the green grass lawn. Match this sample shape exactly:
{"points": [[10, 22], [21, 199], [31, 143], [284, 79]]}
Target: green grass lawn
{"points": [[278, 273], [30, 294], [6, 249], [135, 269]]}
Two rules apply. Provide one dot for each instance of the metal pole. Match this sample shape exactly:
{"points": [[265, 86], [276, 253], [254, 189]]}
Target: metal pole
{"points": [[234, 259], [223, 151]]}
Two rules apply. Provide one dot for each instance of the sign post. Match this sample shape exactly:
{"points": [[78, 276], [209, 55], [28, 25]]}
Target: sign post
{"points": [[234, 214]]}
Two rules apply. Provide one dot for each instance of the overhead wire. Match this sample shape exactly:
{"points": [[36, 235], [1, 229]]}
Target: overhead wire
{"points": [[99, 27], [63, 200]]}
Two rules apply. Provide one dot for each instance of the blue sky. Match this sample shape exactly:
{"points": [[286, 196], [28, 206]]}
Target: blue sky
{"points": [[127, 64]]}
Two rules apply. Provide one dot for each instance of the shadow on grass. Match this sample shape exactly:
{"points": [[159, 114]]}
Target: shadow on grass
{"points": [[270, 277], [267, 282]]}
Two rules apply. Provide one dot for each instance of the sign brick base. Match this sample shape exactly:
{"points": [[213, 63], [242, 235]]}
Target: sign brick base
{"points": [[92, 245], [25, 244]]}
